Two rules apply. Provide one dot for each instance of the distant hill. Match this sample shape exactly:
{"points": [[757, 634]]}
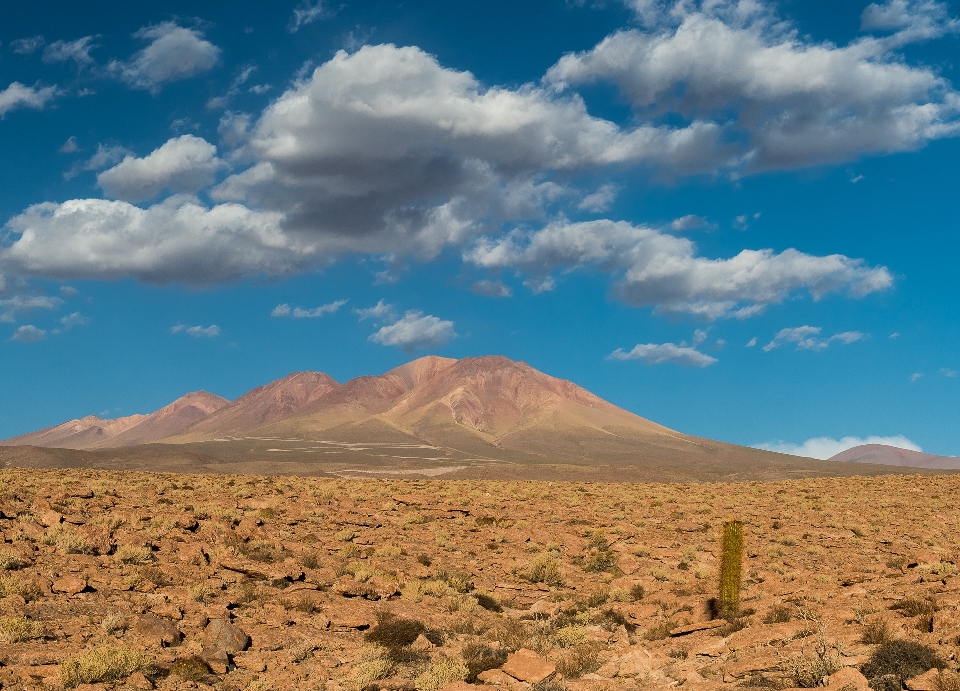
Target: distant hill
{"points": [[476, 417], [881, 454]]}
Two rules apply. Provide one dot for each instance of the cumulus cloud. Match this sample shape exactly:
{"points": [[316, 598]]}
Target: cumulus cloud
{"points": [[307, 13], [385, 150], [599, 200], [176, 240], [197, 331], [662, 270], [380, 311], [284, 310], [72, 320], [656, 353], [18, 95], [495, 289], [174, 53], [689, 222], [184, 164], [825, 448], [808, 338], [106, 155], [10, 306], [77, 51], [781, 100], [416, 331], [27, 46], [28, 333]]}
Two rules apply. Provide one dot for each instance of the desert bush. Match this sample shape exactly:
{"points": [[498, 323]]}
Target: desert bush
{"points": [[191, 669], [392, 631], [594, 598], [133, 554], [915, 607], [545, 570], [10, 561], [947, 681], [28, 590], [510, 633], [659, 631], [199, 592], [479, 657], [807, 671], [444, 671], [18, 630], [573, 663], [102, 664], [902, 658], [309, 560], [876, 631], [779, 614], [371, 670], [488, 602], [637, 592], [66, 539]]}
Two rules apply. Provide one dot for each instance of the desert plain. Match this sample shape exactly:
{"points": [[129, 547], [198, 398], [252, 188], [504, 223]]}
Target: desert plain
{"points": [[130, 580]]}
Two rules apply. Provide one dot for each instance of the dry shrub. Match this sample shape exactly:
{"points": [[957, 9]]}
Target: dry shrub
{"points": [[479, 657], [66, 539], [511, 634], [659, 631], [915, 607], [28, 590], [904, 659], [10, 561], [807, 671], [444, 671], [573, 663], [133, 554], [18, 630], [371, 670], [545, 570], [779, 614], [392, 631], [947, 681], [102, 664], [191, 669], [876, 631]]}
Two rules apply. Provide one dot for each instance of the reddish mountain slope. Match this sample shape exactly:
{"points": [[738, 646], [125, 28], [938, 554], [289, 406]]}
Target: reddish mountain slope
{"points": [[275, 401], [170, 420], [75, 434], [881, 454]]}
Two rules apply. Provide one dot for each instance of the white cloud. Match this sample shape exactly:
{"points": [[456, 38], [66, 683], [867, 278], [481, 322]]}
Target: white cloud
{"points": [[379, 311], [10, 306], [780, 99], [689, 222], [74, 319], [384, 150], [28, 333], [27, 46], [18, 95], [106, 155], [807, 338], [827, 447], [78, 51], [659, 269], [496, 289], [174, 53], [298, 312], [654, 354], [948, 373], [69, 146], [599, 200], [915, 376], [911, 20], [197, 331], [415, 331], [307, 12], [184, 164], [751, 343], [176, 240]]}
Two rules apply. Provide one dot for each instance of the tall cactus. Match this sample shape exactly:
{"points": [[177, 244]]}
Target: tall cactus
{"points": [[731, 560]]}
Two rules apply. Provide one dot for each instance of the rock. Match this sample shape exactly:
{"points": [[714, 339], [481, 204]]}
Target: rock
{"points": [[527, 666], [701, 626], [458, 686], [49, 518], [158, 631], [640, 663], [422, 644], [924, 682], [848, 677], [71, 585], [138, 681], [496, 677], [222, 634], [217, 659], [544, 608], [609, 669], [250, 661]]}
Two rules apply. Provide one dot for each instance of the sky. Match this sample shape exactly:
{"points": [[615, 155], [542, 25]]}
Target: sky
{"points": [[737, 219]]}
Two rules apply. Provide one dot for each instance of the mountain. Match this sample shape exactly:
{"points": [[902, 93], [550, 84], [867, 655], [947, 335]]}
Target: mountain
{"points": [[170, 420], [881, 454], [82, 433], [263, 405]]}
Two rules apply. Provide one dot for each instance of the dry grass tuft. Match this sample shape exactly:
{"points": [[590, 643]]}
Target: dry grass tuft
{"points": [[102, 664]]}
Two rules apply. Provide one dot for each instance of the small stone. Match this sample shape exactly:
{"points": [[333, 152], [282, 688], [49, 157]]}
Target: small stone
{"points": [[158, 631], [422, 644], [222, 634], [71, 585], [138, 681], [250, 661], [217, 659], [527, 666], [49, 518]]}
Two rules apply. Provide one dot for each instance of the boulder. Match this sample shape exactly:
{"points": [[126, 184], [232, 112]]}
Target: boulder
{"points": [[222, 634], [527, 666]]}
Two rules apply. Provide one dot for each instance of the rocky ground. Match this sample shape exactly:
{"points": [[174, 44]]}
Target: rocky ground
{"points": [[138, 581]]}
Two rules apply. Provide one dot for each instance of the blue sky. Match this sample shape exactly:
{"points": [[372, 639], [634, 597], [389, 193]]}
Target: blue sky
{"points": [[738, 219]]}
